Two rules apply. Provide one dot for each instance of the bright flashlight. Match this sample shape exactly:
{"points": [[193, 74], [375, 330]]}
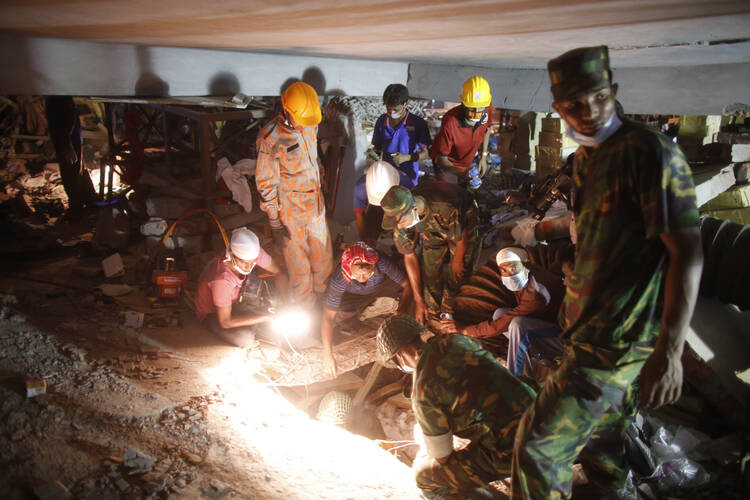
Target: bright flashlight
{"points": [[291, 323]]}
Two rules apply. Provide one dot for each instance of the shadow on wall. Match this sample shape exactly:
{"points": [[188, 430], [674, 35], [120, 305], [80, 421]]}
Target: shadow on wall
{"points": [[223, 84], [314, 77], [19, 75], [148, 84]]}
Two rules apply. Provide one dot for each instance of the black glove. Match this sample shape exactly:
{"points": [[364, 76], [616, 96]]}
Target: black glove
{"points": [[280, 233]]}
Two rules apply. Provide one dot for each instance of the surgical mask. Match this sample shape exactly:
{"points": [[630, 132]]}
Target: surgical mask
{"points": [[516, 281], [414, 221], [473, 121], [601, 135], [237, 268], [396, 115]]}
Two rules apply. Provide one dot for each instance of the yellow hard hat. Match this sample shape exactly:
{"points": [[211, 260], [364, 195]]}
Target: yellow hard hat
{"points": [[476, 93], [301, 101]]}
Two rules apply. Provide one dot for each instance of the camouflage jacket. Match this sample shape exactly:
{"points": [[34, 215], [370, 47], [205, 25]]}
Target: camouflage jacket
{"points": [[460, 388], [449, 212], [628, 191]]}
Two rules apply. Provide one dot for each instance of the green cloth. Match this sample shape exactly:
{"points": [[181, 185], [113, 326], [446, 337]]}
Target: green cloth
{"points": [[460, 388], [628, 191]]}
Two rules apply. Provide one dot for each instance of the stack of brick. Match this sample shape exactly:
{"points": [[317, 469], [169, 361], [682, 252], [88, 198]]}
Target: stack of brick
{"points": [[733, 204], [549, 150]]}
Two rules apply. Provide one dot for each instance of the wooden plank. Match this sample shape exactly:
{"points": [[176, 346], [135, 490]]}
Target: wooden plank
{"points": [[372, 375], [387, 390], [400, 401]]}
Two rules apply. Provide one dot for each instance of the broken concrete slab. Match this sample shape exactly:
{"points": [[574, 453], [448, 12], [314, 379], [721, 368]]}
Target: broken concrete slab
{"points": [[113, 265], [137, 461], [167, 207]]}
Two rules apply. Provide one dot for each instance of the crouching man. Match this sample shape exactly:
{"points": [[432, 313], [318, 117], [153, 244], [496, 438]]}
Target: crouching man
{"points": [[531, 325], [220, 285], [458, 389], [363, 275]]}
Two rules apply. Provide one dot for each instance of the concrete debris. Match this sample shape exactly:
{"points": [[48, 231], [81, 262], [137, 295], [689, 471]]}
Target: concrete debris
{"points": [[136, 461], [155, 226], [133, 319], [215, 489], [167, 207], [35, 386], [113, 265], [53, 490]]}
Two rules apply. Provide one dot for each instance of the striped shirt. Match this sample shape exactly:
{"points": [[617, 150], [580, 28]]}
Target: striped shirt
{"points": [[338, 286]]}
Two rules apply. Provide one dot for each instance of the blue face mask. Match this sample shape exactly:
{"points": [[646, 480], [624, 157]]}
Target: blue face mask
{"points": [[516, 282], [601, 135]]}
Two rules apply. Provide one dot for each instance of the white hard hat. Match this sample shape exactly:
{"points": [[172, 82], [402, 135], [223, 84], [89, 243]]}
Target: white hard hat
{"points": [[380, 177], [244, 244], [511, 254]]}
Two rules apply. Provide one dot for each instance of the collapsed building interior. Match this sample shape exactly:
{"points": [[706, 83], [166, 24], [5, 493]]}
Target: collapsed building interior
{"points": [[110, 385]]}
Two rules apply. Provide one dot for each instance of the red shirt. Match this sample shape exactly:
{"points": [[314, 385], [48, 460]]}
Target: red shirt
{"points": [[219, 286], [457, 140]]}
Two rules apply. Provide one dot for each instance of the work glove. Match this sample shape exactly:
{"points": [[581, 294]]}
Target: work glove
{"points": [[279, 232]]}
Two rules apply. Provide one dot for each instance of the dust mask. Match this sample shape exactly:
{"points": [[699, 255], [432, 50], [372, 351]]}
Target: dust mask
{"points": [[396, 116], [473, 121], [599, 137], [414, 221], [516, 281]]}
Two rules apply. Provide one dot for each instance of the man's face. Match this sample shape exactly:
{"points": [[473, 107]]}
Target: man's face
{"points": [[409, 219], [362, 272], [511, 268], [245, 265], [395, 110], [473, 115], [589, 112]]}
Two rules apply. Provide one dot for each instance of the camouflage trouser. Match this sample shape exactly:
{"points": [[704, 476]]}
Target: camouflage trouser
{"points": [[469, 468], [439, 288], [580, 413], [308, 256]]}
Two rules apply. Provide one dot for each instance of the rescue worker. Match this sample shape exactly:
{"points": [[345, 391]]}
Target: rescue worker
{"points": [[64, 127], [458, 389], [631, 293], [400, 137], [220, 285], [363, 275], [464, 134], [530, 326], [368, 191], [288, 178], [442, 218]]}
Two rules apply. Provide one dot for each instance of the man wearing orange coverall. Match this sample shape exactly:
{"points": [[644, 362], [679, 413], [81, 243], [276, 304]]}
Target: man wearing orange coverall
{"points": [[288, 180]]}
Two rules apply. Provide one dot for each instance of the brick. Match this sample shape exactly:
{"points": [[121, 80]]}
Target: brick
{"points": [[550, 139], [740, 152], [551, 125], [735, 197]]}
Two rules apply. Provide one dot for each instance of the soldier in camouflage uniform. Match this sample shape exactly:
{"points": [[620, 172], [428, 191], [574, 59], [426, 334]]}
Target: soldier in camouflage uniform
{"points": [[443, 219], [631, 294], [458, 389]]}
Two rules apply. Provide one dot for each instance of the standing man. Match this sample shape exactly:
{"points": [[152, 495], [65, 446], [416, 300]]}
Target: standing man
{"points": [[368, 191], [288, 180], [631, 293], [458, 389], [443, 219], [533, 319], [464, 133], [220, 285], [363, 275], [402, 138], [64, 128]]}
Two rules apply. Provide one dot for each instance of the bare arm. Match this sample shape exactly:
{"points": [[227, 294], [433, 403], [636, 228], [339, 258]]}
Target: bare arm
{"points": [[326, 337], [457, 262], [446, 164], [411, 262], [484, 153], [228, 320], [661, 376], [407, 297]]}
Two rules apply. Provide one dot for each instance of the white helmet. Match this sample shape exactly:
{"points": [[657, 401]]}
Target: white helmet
{"points": [[511, 254], [244, 244], [380, 177]]}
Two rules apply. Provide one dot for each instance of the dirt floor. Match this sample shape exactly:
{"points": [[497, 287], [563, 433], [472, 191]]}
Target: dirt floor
{"points": [[159, 411]]}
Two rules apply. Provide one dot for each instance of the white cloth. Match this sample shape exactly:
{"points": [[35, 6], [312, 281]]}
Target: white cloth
{"points": [[601, 135], [236, 181]]}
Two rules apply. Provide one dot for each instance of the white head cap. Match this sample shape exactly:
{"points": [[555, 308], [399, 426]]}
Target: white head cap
{"points": [[511, 254], [244, 244], [380, 177]]}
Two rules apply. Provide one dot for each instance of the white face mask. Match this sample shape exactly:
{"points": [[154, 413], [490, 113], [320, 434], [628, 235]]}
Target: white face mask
{"points": [[599, 137], [516, 282], [230, 258], [473, 121], [396, 116], [414, 221]]}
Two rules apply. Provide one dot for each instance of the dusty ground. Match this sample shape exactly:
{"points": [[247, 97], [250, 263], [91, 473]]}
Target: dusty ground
{"points": [[201, 423]]}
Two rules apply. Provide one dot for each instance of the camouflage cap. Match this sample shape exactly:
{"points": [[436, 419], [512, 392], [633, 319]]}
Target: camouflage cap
{"points": [[579, 71], [395, 333], [396, 202]]}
